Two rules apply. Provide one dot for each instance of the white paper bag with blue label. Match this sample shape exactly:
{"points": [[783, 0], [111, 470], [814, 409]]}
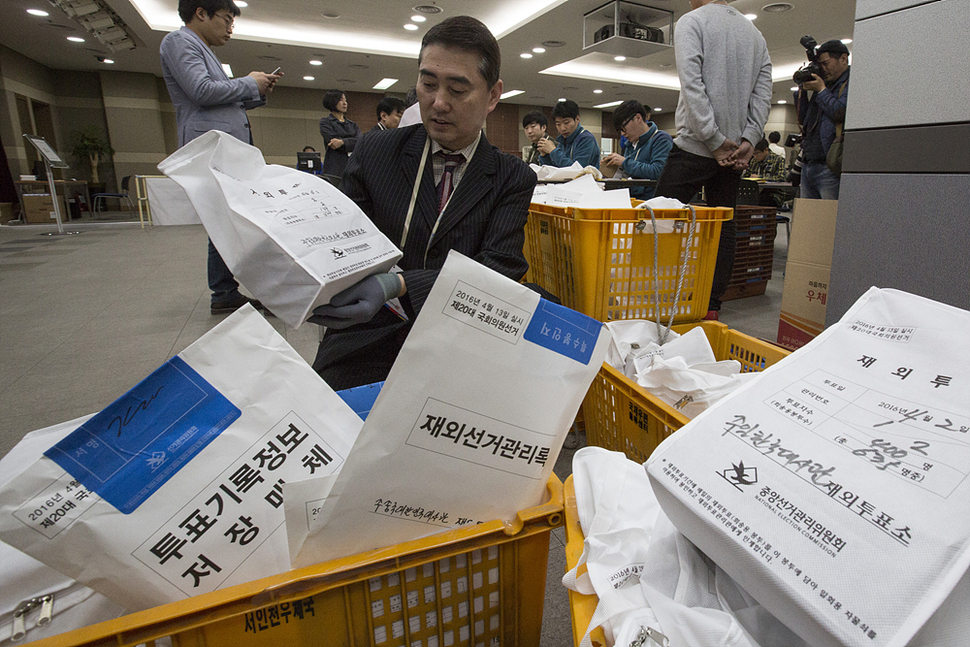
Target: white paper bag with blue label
{"points": [[176, 488], [292, 238], [835, 488], [470, 420]]}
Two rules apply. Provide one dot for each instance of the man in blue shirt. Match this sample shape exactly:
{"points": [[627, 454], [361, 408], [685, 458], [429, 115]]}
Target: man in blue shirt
{"points": [[574, 144], [645, 153]]}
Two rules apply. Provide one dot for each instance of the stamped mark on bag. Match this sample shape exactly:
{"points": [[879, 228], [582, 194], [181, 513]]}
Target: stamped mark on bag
{"points": [[564, 331], [487, 313], [140, 441]]}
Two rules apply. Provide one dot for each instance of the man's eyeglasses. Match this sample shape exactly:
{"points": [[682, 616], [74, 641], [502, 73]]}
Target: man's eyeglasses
{"points": [[625, 124], [230, 21]]}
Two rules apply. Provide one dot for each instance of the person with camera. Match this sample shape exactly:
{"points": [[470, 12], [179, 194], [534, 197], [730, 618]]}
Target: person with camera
{"points": [[820, 117], [534, 124]]}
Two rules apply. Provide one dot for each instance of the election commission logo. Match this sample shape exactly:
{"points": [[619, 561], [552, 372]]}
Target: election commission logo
{"points": [[739, 475]]}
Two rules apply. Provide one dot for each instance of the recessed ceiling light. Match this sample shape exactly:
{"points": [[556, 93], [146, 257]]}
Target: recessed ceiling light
{"points": [[418, 18], [428, 9], [778, 7], [782, 101], [794, 88], [525, 55], [619, 58], [539, 50], [330, 15], [385, 84], [108, 61], [357, 66], [75, 39], [308, 78], [38, 12], [315, 62], [553, 43], [597, 92], [666, 65], [846, 41], [658, 109], [241, 4], [562, 99], [511, 93], [411, 26], [751, 16], [608, 105]]}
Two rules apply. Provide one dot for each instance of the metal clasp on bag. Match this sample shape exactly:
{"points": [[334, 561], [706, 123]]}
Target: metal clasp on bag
{"points": [[683, 402], [646, 633]]}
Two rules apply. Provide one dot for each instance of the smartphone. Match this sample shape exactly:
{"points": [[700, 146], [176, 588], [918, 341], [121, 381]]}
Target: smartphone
{"points": [[276, 71]]}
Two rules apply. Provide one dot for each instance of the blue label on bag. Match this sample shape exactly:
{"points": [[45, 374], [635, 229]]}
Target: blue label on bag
{"points": [[564, 331], [140, 441]]}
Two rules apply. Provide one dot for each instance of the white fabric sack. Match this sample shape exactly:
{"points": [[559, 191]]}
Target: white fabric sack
{"points": [[168, 203], [834, 489], [23, 578], [176, 488], [470, 421], [292, 238]]}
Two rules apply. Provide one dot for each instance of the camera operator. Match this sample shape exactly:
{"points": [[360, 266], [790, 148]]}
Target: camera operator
{"points": [[819, 117]]}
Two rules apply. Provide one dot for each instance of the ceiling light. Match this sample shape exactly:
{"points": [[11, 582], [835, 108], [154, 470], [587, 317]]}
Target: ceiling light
{"points": [[539, 50], [316, 62], [38, 12], [658, 109], [385, 84], [561, 99], [428, 8], [241, 4], [511, 93], [525, 55], [782, 101], [75, 39], [308, 78], [330, 15], [553, 43], [597, 92], [794, 88], [778, 7], [411, 26], [108, 61], [418, 18], [751, 16], [619, 58], [846, 41], [608, 105]]}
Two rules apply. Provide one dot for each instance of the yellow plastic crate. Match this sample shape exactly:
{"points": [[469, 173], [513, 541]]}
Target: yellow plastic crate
{"points": [[581, 607], [621, 416], [481, 585], [597, 261]]}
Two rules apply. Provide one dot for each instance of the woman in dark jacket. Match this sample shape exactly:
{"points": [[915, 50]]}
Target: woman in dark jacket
{"points": [[339, 134]]}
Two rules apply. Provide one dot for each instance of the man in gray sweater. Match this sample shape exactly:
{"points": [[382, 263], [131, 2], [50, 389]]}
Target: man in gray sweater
{"points": [[725, 94]]}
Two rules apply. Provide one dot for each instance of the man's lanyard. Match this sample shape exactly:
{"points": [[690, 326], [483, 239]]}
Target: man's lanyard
{"points": [[573, 145], [414, 199]]}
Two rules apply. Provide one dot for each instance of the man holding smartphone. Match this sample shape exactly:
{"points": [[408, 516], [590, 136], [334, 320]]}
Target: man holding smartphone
{"points": [[205, 99]]}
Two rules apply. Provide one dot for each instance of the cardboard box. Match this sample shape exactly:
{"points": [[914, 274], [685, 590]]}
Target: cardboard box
{"points": [[6, 212], [807, 273], [39, 209]]}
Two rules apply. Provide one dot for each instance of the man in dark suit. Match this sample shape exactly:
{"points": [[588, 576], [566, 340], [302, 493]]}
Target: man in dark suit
{"points": [[412, 183], [389, 112], [206, 99]]}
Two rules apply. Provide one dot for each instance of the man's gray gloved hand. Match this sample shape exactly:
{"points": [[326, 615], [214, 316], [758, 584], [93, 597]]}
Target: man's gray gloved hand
{"points": [[358, 303]]}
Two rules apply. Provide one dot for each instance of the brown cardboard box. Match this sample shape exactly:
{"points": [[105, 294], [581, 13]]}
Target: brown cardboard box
{"points": [[807, 274], [39, 209]]}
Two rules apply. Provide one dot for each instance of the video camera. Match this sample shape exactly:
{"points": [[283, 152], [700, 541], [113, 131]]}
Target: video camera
{"points": [[805, 73]]}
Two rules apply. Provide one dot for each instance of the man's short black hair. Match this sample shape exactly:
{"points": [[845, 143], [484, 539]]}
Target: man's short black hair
{"points": [[331, 99], [834, 48], [187, 8], [762, 145], [567, 109], [471, 35], [390, 105], [774, 137], [535, 117], [626, 111]]}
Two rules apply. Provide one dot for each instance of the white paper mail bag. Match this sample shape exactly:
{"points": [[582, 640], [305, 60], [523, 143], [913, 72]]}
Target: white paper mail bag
{"points": [[176, 488], [292, 238], [835, 488], [470, 421]]}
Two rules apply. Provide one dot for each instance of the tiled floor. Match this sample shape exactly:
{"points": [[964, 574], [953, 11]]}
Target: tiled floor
{"points": [[85, 317]]}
